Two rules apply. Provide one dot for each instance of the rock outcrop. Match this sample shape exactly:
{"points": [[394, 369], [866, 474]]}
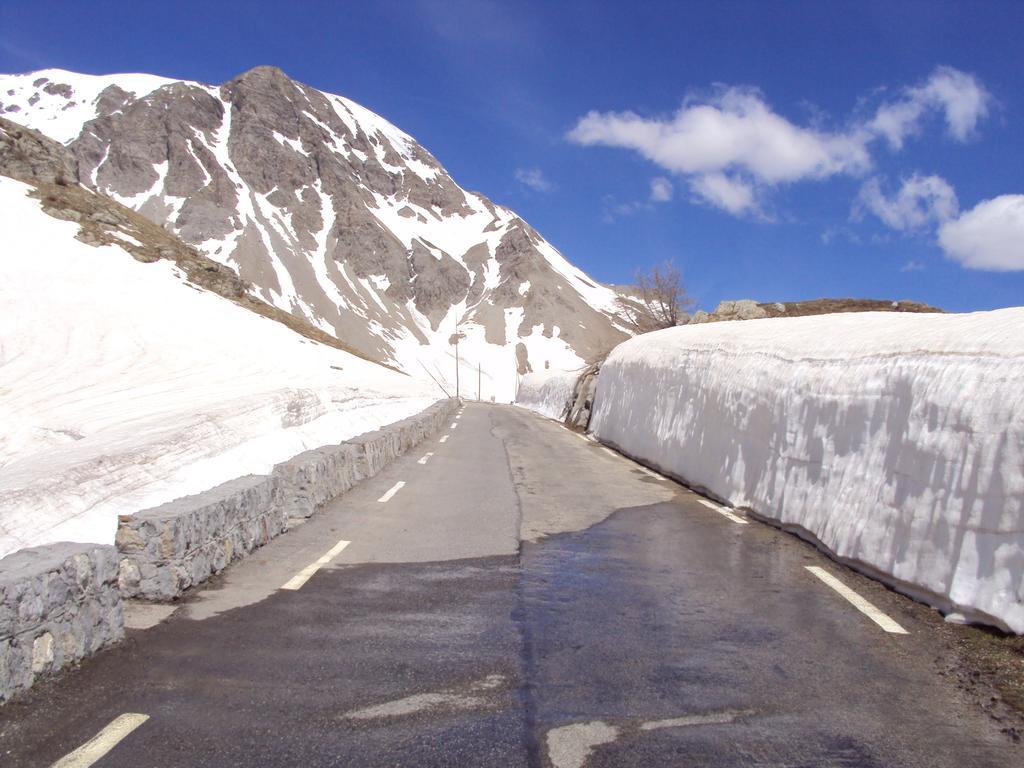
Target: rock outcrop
{"points": [[747, 309], [52, 169]]}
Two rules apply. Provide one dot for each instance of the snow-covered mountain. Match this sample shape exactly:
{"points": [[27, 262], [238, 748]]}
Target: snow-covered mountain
{"points": [[332, 214], [125, 384]]}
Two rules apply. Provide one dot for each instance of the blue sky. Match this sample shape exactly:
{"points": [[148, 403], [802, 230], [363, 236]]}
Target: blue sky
{"points": [[774, 150]]}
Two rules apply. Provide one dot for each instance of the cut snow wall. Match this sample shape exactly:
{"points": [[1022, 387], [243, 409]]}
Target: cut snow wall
{"points": [[548, 393], [894, 441], [58, 604]]}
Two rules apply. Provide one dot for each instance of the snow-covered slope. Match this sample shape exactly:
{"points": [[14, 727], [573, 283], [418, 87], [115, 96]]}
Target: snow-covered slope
{"points": [[548, 392], [333, 214], [122, 386], [897, 441]]}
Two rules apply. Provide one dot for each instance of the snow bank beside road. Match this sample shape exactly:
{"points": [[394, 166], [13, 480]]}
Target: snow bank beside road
{"points": [[547, 392], [122, 387], [897, 441]]}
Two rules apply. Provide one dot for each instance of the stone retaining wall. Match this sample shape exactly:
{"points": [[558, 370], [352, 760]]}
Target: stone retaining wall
{"points": [[62, 602], [375, 450], [58, 603], [311, 479], [167, 549]]}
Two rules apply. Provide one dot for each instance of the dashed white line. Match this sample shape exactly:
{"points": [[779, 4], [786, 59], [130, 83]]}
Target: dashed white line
{"points": [[296, 581], [591, 441], [712, 718], [426, 457], [858, 602], [444, 439], [723, 511], [392, 491], [454, 425], [104, 741]]}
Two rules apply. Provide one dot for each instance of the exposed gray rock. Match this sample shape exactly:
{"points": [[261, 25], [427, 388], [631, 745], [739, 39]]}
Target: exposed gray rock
{"points": [[523, 359], [582, 403], [700, 316], [440, 282], [59, 89], [58, 604], [741, 309], [745, 309], [26, 154], [223, 167]]}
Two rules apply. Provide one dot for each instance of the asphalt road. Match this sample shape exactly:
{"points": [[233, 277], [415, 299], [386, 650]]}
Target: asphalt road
{"points": [[526, 598]]}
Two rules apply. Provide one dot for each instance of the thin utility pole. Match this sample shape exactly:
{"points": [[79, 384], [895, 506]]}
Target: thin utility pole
{"points": [[456, 358]]}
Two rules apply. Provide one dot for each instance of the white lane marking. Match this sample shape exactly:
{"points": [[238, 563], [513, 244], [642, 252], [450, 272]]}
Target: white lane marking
{"points": [[458, 416], [104, 741], [444, 439], [454, 425], [426, 457], [858, 602], [712, 718], [569, 746], [467, 697], [723, 511], [300, 578], [392, 491], [591, 441]]}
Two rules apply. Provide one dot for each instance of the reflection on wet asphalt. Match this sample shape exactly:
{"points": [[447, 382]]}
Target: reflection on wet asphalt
{"points": [[658, 634]]}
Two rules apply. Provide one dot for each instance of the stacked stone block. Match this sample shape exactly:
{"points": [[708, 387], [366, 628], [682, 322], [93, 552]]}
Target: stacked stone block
{"points": [[316, 477], [167, 549], [58, 603]]}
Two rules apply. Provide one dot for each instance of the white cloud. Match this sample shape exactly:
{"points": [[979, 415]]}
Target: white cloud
{"points": [[834, 234], [921, 200], [990, 236], [661, 190], [733, 147], [961, 98], [534, 179], [736, 131], [611, 210], [728, 193], [912, 266]]}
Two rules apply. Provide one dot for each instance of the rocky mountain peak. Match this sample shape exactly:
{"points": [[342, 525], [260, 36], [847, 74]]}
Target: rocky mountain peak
{"points": [[331, 213]]}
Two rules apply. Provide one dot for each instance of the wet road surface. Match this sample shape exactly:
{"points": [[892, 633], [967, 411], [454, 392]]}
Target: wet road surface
{"points": [[526, 598]]}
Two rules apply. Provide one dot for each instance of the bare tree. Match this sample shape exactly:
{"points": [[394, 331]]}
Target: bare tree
{"points": [[660, 298]]}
